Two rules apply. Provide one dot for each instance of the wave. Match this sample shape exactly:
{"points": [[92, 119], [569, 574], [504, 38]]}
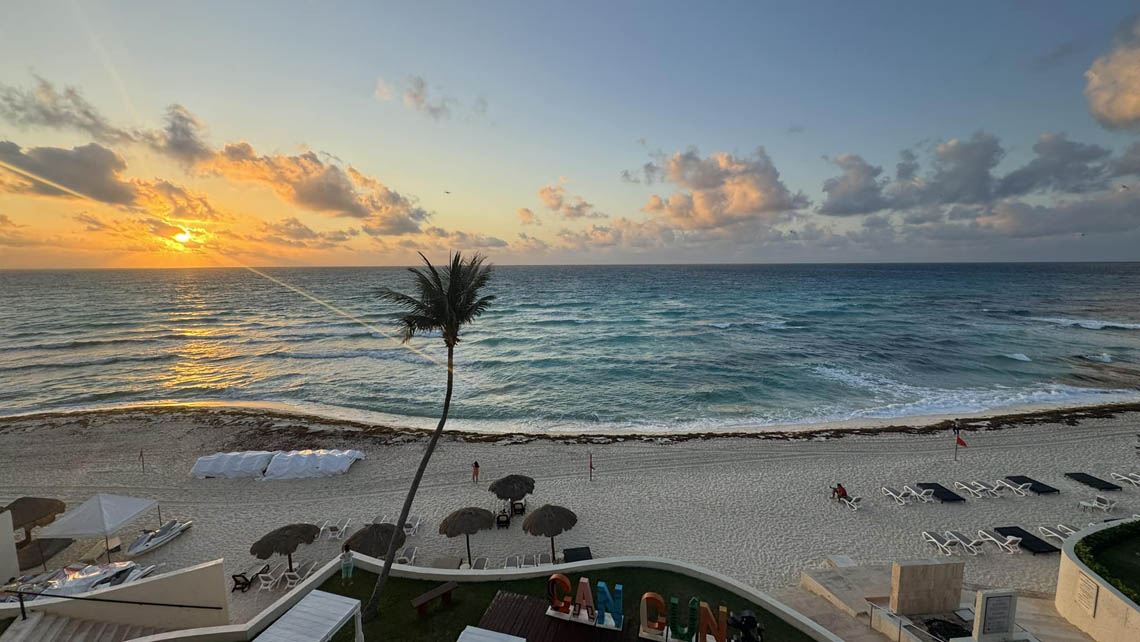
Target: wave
{"points": [[1088, 324], [89, 343], [84, 364], [724, 325], [1102, 357], [1017, 356]]}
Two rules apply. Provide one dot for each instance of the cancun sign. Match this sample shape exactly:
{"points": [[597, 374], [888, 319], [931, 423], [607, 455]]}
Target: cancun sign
{"points": [[657, 622]]}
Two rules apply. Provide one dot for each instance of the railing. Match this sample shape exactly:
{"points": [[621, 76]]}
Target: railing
{"points": [[24, 615]]}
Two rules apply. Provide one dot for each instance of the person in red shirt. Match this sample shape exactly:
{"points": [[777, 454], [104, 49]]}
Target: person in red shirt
{"points": [[838, 492]]}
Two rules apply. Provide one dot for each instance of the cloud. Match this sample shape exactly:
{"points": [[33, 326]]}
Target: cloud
{"points": [[1058, 55], [292, 232], [528, 243], [649, 173], [383, 90], [174, 201], [416, 98], [92, 170], [438, 238], [527, 217], [907, 168], [1113, 80], [722, 189], [857, 191], [44, 106], [306, 180], [796, 129], [569, 207], [181, 138], [962, 173], [1060, 165], [90, 222], [1128, 163]]}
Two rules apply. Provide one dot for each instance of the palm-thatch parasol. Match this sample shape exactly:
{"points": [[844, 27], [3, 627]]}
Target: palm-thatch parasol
{"points": [[467, 522], [284, 541], [30, 512], [373, 539], [512, 487], [548, 521]]}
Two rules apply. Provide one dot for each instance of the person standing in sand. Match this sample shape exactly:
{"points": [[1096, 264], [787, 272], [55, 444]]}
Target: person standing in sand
{"points": [[475, 472]]}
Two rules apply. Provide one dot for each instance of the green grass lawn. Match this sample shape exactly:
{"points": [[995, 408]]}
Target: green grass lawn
{"points": [[399, 621], [1122, 559]]}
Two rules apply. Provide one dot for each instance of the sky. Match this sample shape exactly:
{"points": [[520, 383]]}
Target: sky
{"points": [[138, 134]]}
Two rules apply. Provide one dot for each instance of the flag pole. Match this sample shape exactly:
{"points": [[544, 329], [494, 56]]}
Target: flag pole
{"points": [[956, 439], [591, 466]]}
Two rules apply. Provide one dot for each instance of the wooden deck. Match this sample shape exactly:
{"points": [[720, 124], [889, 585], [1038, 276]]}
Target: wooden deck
{"points": [[525, 616]]}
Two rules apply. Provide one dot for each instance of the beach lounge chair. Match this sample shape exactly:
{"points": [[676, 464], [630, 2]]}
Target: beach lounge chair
{"points": [[1028, 541], [1100, 503], [1018, 490], [511, 561], [412, 526], [993, 490], [268, 581], [925, 495], [480, 564], [503, 519], [942, 544], [851, 502], [971, 545], [298, 575], [544, 559], [898, 496], [1068, 529], [1095, 482], [528, 561], [323, 525], [386, 519], [1052, 532], [339, 529], [1036, 487], [970, 489], [242, 581], [407, 555], [1128, 478], [1005, 543], [941, 493]]}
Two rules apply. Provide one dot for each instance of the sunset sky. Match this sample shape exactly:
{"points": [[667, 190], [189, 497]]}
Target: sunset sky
{"points": [[160, 134]]}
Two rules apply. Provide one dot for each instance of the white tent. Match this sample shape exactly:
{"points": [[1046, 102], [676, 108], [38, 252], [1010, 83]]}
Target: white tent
{"points": [[250, 463], [102, 515], [297, 464], [316, 618]]}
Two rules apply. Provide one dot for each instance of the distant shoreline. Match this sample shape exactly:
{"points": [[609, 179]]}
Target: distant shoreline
{"points": [[276, 418]]}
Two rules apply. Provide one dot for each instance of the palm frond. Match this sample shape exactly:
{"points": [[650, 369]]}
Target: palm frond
{"points": [[447, 298]]}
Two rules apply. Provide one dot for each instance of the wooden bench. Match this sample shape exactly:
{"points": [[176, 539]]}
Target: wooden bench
{"points": [[443, 590]]}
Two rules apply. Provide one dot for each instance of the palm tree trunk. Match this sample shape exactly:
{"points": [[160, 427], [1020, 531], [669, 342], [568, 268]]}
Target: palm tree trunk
{"points": [[371, 610]]}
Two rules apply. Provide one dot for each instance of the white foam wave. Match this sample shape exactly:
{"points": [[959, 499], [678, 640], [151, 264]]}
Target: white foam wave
{"points": [[1088, 324], [1017, 356], [1102, 357]]}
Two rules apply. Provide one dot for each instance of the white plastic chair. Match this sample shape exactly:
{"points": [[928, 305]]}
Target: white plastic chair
{"points": [[339, 529], [897, 496], [268, 581]]}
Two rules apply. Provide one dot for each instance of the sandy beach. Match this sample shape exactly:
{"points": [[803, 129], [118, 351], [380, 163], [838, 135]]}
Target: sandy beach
{"points": [[756, 509]]}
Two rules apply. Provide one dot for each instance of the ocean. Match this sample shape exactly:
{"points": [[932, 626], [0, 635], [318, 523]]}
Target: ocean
{"points": [[584, 348]]}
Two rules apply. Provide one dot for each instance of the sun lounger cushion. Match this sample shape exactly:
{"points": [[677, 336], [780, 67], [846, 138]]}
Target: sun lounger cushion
{"points": [[942, 493], [1029, 541], [1034, 486], [1089, 480]]}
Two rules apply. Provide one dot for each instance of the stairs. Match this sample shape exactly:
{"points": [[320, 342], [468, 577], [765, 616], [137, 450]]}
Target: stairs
{"points": [[40, 627]]}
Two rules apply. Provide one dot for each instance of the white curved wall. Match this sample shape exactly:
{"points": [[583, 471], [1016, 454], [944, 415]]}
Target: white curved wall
{"points": [[1089, 602]]}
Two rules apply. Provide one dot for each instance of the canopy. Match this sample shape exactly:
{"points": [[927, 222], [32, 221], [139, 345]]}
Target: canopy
{"points": [[316, 618], [297, 464], [99, 516], [250, 463]]}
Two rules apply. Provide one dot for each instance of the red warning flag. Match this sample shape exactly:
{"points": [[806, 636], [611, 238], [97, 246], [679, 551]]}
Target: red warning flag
{"points": [[960, 442]]}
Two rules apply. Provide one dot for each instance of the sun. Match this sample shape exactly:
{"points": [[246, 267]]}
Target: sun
{"points": [[182, 237]]}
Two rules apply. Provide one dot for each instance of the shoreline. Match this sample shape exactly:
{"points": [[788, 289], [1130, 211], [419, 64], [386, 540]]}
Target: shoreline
{"points": [[300, 422]]}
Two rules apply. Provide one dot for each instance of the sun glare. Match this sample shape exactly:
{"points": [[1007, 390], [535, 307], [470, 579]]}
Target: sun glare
{"points": [[182, 237]]}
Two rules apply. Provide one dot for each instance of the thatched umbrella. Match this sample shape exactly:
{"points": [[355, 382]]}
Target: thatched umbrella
{"points": [[284, 541], [373, 539], [30, 512], [512, 487], [467, 522], [548, 521]]}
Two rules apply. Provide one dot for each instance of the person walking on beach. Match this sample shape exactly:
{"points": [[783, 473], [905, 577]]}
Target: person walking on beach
{"points": [[475, 472], [346, 564]]}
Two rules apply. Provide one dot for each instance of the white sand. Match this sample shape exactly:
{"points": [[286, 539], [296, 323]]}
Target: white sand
{"points": [[755, 509]]}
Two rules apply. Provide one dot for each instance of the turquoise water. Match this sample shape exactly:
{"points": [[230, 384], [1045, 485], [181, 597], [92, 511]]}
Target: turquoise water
{"points": [[586, 348]]}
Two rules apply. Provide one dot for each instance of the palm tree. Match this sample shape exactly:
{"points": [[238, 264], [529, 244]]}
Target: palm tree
{"points": [[448, 299]]}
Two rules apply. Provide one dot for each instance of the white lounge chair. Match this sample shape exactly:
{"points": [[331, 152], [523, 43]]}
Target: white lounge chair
{"points": [[298, 575], [851, 502], [1068, 530], [480, 564], [1100, 503], [528, 561], [412, 526], [993, 490], [323, 525], [339, 529], [1131, 478], [925, 496], [970, 490], [1052, 532], [511, 561], [407, 555], [386, 519], [544, 559], [896, 495], [971, 545], [1005, 543], [943, 545], [1019, 490], [268, 581]]}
